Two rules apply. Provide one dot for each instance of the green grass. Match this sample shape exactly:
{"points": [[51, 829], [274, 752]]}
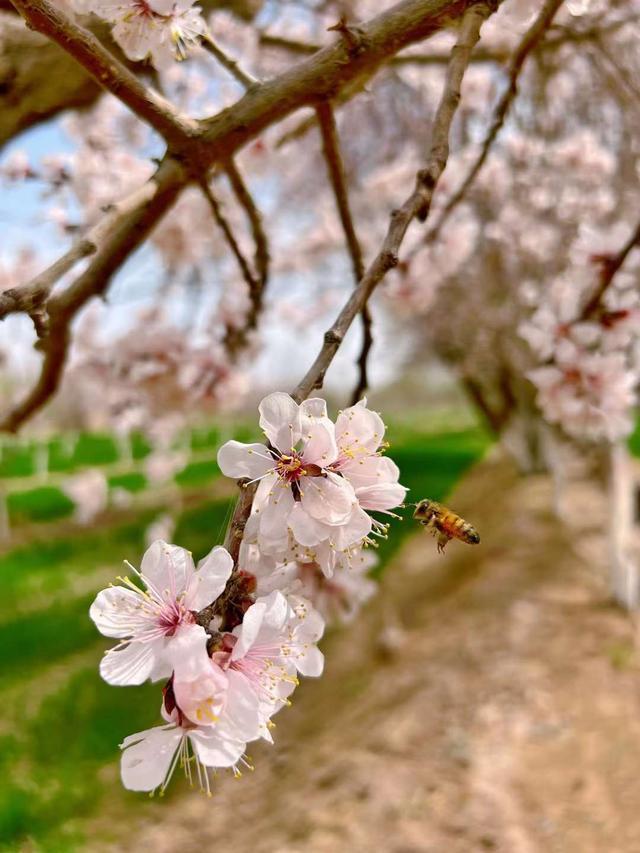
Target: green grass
{"points": [[62, 724], [45, 503]]}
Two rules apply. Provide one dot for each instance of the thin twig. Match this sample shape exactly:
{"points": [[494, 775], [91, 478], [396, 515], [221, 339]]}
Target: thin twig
{"points": [[115, 238], [415, 207], [335, 168], [236, 338], [531, 39], [245, 199], [43, 16], [244, 78], [609, 266], [30, 298]]}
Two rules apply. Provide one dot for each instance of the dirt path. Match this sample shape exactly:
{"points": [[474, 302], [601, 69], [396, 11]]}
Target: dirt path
{"points": [[489, 700]]}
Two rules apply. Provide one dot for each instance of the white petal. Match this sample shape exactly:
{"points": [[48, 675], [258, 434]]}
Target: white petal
{"points": [[359, 427], [275, 513], [131, 665], [381, 497], [145, 763], [313, 408], [248, 631], [358, 526], [210, 578], [369, 470], [311, 662], [215, 747], [168, 569], [328, 499], [242, 708], [319, 444], [186, 653], [118, 612], [280, 420], [239, 460], [306, 530]]}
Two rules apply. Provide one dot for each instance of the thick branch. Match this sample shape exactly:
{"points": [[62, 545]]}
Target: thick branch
{"points": [[335, 168], [529, 42], [115, 238], [84, 47]]}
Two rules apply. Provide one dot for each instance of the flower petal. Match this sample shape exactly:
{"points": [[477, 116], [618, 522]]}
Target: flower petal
{"points": [[306, 531], [239, 460], [215, 747], [320, 446], [210, 578], [131, 665], [275, 513], [280, 420], [119, 612], [369, 470], [248, 631], [382, 497], [146, 762], [359, 428], [328, 499], [167, 569]]}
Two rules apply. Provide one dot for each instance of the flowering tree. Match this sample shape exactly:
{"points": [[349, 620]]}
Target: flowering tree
{"points": [[230, 636]]}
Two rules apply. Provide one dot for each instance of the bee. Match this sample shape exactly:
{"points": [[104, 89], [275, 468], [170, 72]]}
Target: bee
{"points": [[445, 524]]}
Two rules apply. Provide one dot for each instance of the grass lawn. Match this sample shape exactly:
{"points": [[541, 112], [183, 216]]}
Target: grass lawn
{"points": [[60, 724]]}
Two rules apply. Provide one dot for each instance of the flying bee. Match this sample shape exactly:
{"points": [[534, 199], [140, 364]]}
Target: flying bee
{"points": [[445, 524]]}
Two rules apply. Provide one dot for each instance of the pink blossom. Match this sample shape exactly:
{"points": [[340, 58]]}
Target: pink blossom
{"points": [[298, 489], [590, 395], [148, 621]]}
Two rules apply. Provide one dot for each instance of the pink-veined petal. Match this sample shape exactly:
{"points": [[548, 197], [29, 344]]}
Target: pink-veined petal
{"points": [[147, 757], [239, 460], [186, 652], [210, 579], [280, 420], [167, 569]]}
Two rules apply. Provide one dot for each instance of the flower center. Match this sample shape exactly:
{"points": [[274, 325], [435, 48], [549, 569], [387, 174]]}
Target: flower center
{"points": [[290, 468]]}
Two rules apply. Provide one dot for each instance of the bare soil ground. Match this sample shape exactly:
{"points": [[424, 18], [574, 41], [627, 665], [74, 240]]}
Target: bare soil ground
{"points": [[487, 700]]}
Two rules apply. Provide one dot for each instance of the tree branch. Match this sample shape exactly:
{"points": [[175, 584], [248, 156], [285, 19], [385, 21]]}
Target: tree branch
{"points": [[114, 239], [262, 257], [31, 297], [235, 339], [232, 65], [84, 47], [415, 207], [609, 266], [335, 169], [529, 42]]}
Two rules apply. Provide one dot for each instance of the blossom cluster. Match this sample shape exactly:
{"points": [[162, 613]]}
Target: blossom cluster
{"points": [[588, 379], [161, 30], [230, 641]]}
